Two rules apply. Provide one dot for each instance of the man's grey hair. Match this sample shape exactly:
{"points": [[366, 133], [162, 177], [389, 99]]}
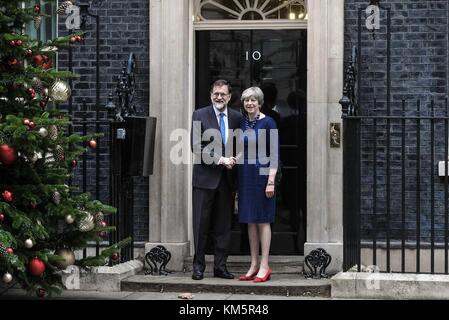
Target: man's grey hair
{"points": [[254, 92]]}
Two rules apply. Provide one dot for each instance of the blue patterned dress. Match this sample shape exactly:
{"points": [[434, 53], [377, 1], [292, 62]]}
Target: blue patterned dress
{"points": [[254, 206]]}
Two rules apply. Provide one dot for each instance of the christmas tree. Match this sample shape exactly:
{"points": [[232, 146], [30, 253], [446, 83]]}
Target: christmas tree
{"points": [[42, 222]]}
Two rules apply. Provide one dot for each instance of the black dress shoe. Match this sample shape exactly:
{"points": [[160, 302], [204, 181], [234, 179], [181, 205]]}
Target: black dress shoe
{"points": [[224, 274], [197, 275]]}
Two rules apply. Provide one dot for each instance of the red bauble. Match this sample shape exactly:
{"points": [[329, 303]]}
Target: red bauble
{"points": [[103, 224], [10, 250], [78, 39], [32, 125], [47, 65], [26, 122], [19, 42], [8, 155], [93, 144], [2, 217], [103, 234], [13, 62], [115, 257], [12, 43], [7, 196], [36, 267], [43, 104], [72, 40], [74, 163], [29, 52], [39, 59]]}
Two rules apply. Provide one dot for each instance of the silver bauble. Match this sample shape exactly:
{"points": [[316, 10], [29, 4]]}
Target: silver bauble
{"points": [[87, 223], [56, 196], [36, 156], [69, 219], [7, 277], [43, 132], [28, 243], [60, 91], [69, 257]]}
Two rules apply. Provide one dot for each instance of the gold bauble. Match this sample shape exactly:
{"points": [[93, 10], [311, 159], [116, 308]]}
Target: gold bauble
{"points": [[60, 91], [69, 257], [87, 223]]}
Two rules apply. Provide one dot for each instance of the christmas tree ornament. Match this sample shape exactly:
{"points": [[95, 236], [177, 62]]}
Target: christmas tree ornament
{"points": [[63, 7], [2, 217], [10, 250], [37, 85], [60, 91], [56, 197], [12, 43], [69, 219], [86, 224], [115, 256], [26, 122], [28, 243], [32, 125], [7, 196], [74, 163], [53, 132], [43, 132], [102, 224], [59, 153], [33, 204], [8, 155], [7, 277], [37, 21], [40, 292], [19, 42], [78, 39], [36, 267], [103, 234], [37, 8], [38, 60], [69, 258], [72, 40], [99, 217], [49, 159], [36, 156], [93, 144], [29, 52], [19, 100], [13, 62], [31, 92]]}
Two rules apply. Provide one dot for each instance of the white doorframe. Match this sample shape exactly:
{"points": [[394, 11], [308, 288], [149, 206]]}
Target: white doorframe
{"points": [[172, 66]]}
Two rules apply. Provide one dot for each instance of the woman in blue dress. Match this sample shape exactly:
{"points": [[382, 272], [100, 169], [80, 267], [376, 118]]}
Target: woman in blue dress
{"points": [[256, 172]]}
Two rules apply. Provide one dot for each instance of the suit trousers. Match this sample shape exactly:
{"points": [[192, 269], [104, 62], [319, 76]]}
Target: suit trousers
{"points": [[212, 214]]}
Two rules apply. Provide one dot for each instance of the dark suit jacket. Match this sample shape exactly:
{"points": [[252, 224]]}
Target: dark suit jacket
{"points": [[207, 176]]}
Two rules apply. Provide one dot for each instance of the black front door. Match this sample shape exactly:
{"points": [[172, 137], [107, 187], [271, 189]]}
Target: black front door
{"points": [[274, 60]]}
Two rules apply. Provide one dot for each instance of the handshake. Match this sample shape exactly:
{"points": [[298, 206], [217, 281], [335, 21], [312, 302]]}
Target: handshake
{"points": [[229, 163]]}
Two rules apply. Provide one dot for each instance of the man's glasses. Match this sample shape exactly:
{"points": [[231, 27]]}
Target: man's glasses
{"points": [[217, 94]]}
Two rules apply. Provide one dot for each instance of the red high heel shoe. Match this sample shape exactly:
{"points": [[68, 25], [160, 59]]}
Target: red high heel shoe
{"points": [[250, 277], [264, 278]]}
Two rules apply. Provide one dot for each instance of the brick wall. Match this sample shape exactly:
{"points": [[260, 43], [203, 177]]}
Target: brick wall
{"points": [[124, 29], [419, 71]]}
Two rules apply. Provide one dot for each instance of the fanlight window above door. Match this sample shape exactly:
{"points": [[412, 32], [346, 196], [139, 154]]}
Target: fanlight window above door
{"points": [[251, 10]]}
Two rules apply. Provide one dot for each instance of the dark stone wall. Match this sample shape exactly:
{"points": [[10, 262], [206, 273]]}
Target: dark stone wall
{"points": [[124, 28], [418, 72]]}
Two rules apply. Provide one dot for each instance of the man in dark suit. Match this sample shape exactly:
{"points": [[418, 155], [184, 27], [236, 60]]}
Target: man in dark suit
{"points": [[213, 178]]}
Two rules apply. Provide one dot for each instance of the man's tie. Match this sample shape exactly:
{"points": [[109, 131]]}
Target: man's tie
{"points": [[222, 128]]}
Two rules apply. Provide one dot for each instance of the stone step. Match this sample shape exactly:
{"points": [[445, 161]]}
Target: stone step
{"points": [[240, 264], [279, 285]]}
